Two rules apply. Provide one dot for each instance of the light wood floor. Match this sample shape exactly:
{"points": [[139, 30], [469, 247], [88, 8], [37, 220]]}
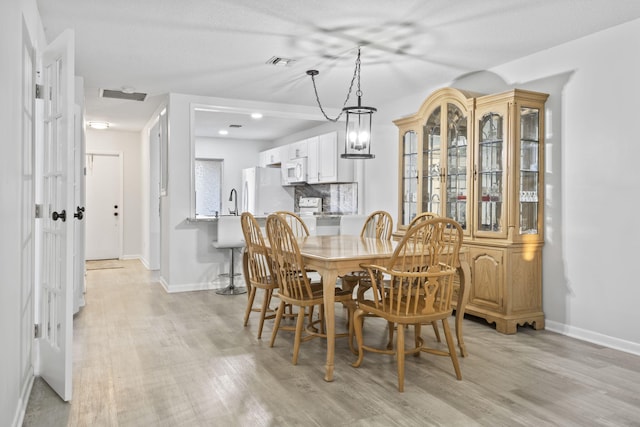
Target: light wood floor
{"points": [[143, 357]]}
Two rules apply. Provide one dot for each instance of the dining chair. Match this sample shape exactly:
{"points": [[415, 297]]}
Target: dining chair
{"points": [[294, 285], [257, 269], [419, 290], [300, 229]]}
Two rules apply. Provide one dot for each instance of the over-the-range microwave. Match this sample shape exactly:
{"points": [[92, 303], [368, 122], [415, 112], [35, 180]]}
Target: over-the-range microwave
{"points": [[295, 171]]}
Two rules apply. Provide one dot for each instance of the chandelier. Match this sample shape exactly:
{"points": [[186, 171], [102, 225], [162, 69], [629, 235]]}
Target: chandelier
{"points": [[357, 140]]}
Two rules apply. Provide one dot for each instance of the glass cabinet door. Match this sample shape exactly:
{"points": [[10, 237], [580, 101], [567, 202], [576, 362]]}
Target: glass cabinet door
{"points": [[456, 177], [431, 171], [490, 185], [409, 176], [529, 169]]}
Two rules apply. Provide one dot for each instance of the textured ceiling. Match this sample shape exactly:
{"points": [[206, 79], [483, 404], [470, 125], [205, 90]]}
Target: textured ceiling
{"points": [[220, 48]]}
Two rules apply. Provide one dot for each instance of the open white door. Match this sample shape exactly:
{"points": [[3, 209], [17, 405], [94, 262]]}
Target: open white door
{"points": [[56, 296], [79, 286]]}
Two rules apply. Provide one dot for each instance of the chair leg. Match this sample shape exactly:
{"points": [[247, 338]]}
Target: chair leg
{"points": [[252, 295], [350, 310], [357, 321], [263, 311], [400, 357], [298, 336], [436, 330], [390, 342], [452, 348], [323, 330], [313, 328], [276, 324]]}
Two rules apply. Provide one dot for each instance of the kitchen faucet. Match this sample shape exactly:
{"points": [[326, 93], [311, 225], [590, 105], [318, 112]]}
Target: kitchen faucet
{"points": [[235, 200]]}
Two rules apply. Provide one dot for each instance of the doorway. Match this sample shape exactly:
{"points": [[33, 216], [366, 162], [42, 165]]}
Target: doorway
{"points": [[104, 210]]}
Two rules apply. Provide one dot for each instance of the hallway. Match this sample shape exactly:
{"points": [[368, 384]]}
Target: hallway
{"points": [[143, 357]]}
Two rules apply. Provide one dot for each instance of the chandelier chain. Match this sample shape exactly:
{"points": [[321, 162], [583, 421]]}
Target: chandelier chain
{"points": [[356, 72]]}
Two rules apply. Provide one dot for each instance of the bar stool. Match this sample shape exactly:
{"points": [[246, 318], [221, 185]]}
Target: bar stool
{"points": [[230, 237]]}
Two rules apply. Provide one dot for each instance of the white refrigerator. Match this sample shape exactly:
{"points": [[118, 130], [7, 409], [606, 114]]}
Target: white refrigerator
{"points": [[263, 193]]}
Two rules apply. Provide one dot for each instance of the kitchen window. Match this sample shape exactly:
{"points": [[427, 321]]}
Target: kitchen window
{"points": [[208, 183]]}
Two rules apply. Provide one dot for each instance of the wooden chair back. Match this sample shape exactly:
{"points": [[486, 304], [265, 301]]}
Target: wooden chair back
{"points": [[297, 225], [422, 216], [379, 225], [420, 273], [287, 260], [259, 257]]}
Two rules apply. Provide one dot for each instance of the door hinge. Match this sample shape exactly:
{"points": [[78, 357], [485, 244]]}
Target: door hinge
{"points": [[38, 211], [39, 91], [36, 331]]}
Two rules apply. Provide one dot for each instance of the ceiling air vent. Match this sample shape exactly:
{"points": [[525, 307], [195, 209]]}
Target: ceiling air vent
{"points": [[276, 60], [118, 94]]}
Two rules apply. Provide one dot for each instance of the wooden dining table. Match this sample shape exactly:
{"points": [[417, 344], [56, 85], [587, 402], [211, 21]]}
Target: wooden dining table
{"points": [[337, 255]]}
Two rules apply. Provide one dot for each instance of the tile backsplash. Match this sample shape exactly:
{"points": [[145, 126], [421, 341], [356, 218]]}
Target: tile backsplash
{"points": [[336, 198]]}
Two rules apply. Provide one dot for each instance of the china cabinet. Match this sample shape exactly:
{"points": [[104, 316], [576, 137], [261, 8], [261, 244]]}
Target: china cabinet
{"points": [[477, 159]]}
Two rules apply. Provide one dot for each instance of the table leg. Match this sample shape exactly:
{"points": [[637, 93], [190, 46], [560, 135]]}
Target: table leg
{"points": [[329, 278], [463, 295]]}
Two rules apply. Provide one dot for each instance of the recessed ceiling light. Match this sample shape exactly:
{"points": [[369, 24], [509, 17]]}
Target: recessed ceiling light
{"points": [[256, 115], [99, 125], [223, 132]]}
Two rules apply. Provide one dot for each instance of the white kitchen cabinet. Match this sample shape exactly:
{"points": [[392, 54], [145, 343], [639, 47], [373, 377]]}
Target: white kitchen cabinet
{"points": [[273, 156], [324, 165], [299, 149]]}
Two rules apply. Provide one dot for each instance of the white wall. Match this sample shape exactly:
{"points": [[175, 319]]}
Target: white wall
{"points": [[12, 13], [129, 144], [590, 285], [10, 84]]}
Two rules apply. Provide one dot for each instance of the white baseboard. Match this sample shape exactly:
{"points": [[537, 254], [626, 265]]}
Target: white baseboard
{"points": [[21, 410], [127, 257], [204, 286], [593, 337], [145, 263]]}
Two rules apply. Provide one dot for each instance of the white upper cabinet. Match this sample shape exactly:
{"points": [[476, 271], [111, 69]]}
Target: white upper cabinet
{"points": [[273, 157], [299, 149], [324, 165]]}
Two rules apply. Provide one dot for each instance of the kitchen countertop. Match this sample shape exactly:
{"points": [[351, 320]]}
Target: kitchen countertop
{"points": [[320, 216]]}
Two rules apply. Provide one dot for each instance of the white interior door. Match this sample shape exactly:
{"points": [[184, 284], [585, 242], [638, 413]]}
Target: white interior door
{"points": [[103, 206], [78, 214], [27, 214], [56, 304]]}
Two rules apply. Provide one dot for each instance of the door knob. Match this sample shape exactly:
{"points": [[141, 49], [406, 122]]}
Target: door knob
{"points": [[79, 212], [62, 215]]}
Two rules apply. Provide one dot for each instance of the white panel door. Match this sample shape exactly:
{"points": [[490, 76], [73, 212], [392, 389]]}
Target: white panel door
{"points": [[27, 213], [56, 304], [78, 194], [103, 206]]}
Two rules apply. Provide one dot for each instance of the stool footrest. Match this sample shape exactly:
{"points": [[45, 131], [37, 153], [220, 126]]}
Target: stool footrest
{"points": [[232, 290]]}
